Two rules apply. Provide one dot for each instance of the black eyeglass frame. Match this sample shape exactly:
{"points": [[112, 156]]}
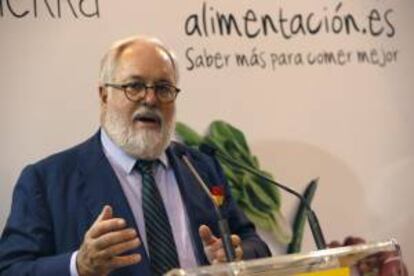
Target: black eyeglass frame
{"points": [[124, 87]]}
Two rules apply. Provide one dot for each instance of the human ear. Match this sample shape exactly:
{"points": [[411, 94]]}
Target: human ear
{"points": [[103, 95]]}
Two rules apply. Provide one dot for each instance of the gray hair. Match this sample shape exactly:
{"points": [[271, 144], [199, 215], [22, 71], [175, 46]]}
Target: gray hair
{"points": [[109, 61]]}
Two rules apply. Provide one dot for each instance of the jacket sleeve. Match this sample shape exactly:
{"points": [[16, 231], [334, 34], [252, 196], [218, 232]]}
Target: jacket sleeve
{"points": [[27, 243]]}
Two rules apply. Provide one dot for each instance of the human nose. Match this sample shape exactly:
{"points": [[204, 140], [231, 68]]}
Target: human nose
{"points": [[150, 96]]}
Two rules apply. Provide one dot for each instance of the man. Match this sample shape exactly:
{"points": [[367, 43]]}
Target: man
{"points": [[123, 202]]}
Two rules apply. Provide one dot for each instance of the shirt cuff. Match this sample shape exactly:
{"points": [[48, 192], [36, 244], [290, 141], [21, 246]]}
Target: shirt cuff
{"points": [[73, 268]]}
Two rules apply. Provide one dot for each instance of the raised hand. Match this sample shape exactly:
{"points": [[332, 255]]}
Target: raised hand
{"points": [[103, 244], [213, 246]]}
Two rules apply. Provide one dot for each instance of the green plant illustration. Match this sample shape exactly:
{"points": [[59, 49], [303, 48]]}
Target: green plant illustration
{"points": [[259, 199]]}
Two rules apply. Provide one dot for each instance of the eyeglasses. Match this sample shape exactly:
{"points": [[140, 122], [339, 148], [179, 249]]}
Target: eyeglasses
{"points": [[135, 91]]}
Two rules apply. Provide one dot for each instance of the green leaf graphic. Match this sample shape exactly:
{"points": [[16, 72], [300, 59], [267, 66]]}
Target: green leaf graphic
{"points": [[259, 199]]}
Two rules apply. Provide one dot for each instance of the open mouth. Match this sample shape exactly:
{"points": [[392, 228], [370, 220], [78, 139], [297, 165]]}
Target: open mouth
{"points": [[148, 119]]}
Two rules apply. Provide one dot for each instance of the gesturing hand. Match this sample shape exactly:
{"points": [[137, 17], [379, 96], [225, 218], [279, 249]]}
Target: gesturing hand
{"points": [[107, 238], [213, 246]]}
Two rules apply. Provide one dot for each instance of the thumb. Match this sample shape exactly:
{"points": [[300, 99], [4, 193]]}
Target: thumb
{"points": [[206, 235], [105, 214]]}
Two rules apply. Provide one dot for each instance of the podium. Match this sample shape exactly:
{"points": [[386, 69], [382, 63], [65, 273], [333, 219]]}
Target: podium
{"points": [[342, 261]]}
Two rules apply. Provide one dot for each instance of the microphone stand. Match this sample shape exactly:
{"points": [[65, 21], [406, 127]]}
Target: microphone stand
{"points": [[222, 221]]}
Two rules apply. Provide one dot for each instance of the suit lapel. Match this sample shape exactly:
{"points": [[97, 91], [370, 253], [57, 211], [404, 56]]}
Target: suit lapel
{"points": [[197, 203]]}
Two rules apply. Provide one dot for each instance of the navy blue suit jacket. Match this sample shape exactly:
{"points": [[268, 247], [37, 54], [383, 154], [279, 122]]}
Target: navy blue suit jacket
{"points": [[56, 200]]}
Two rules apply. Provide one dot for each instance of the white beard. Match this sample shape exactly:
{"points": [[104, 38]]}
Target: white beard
{"points": [[146, 144]]}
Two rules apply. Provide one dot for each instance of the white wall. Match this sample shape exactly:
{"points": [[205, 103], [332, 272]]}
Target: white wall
{"points": [[351, 125]]}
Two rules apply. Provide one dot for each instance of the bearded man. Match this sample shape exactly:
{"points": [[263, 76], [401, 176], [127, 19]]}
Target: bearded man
{"points": [[123, 202]]}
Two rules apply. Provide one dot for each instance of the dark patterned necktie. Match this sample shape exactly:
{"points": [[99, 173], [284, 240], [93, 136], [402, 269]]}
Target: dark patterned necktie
{"points": [[160, 241]]}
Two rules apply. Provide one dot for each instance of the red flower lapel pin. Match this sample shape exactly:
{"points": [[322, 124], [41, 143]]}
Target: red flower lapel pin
{"points": [[218, 194]]}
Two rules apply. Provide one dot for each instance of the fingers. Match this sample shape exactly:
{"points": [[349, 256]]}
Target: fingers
{"points": [[219, 256], [334, 244], [213, 246], [350, 240], [238, 250], [239, 253], [353, 241], [119, 248], [122, 261], [235, 241], [105, 223], [106, 213], [103, 227], [103, 244], [206, 235], [112, 238]]}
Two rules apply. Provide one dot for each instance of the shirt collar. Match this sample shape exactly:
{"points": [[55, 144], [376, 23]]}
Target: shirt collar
{"points": [[125, 161]]}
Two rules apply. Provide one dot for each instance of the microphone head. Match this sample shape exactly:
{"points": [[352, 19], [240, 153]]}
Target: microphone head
{"points": [[207, 149]]}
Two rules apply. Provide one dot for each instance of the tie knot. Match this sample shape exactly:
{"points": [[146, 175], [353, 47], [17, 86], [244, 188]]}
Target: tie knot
{"points": [[145, 166]]}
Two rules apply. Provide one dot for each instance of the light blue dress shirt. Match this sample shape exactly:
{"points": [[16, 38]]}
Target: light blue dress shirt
{"points": [[130, 181]]}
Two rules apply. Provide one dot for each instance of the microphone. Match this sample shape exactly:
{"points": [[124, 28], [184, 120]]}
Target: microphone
{"points": [[222, 221], [312, 218]]}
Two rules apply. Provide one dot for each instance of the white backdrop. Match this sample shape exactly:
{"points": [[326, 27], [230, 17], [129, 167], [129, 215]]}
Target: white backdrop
{"points": [[352, 125]]}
